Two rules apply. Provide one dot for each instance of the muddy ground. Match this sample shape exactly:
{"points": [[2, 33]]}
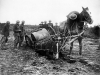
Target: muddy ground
{"points": [[26, 61]]}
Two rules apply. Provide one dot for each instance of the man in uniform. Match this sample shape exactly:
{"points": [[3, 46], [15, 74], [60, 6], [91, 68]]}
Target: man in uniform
{"points": [[22, 34], [41, 24], [50, 24], [17, 32], [45, 25], [56, 24], [5, 33], [57, 28]]}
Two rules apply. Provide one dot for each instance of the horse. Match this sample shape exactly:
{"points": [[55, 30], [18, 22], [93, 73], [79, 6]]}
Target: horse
{"points": [[75, 24]]}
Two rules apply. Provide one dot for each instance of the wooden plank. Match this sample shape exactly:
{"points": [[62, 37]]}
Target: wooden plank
{"points": [[72, 40]]}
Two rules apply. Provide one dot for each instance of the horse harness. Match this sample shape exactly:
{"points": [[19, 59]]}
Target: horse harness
{"points": [[79, 26]]}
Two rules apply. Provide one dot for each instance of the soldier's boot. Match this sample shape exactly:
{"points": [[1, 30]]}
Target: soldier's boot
{"points": [[15, 42], [3, 43], [22, 40], [15, 45]]}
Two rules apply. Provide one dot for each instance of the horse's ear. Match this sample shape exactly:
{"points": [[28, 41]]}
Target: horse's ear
{"points": [[83, 8], [87, 8]]}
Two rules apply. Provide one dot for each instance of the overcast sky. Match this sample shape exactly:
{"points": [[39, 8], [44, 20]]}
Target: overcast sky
{"points": [[35, 11]]}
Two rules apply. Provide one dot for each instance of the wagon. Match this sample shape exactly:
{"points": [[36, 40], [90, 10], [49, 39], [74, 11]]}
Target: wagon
{"points": [[48, 40], [43, 39]]}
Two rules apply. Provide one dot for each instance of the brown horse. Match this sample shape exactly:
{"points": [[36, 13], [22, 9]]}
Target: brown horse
{"points": [[75, 25]]}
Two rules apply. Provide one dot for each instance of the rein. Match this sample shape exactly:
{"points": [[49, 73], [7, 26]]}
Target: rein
{"points": [[83, 19]]}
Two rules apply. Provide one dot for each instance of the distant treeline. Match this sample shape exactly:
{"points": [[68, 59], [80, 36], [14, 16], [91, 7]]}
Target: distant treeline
{"points": [[91, 32]]}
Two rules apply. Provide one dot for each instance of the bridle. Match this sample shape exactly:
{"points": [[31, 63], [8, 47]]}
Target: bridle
{"points": [[85, 16]]}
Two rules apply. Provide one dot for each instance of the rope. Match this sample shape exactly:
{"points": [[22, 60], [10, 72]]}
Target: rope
{"points": [[53, 30]]}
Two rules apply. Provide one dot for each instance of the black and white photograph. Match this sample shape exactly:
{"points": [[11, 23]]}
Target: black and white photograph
{"points": [[49, 37]]}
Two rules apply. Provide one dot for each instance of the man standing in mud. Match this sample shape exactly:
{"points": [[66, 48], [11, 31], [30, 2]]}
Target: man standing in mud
{"points": [[5, 33], [17, 32], [22, 34]]}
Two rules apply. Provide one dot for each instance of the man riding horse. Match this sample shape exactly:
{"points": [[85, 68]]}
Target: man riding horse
{"points": [[75, 25]]}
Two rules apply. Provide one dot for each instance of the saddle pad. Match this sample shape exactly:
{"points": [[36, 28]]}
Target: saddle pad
{"points": [[72, 16]]}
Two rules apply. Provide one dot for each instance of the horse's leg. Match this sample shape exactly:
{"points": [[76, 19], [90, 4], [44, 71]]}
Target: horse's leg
{"points": [[80, 45], [71, 47]]}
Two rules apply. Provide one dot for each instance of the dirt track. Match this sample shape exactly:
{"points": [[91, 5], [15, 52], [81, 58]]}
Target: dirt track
{"points": [[27, 62]]}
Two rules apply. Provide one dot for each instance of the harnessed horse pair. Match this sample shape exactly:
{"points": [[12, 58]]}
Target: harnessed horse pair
{"points": [[75, 25]]}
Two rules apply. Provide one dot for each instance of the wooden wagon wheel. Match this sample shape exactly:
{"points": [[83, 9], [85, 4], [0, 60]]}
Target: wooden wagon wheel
{"points": [[28, 41]]}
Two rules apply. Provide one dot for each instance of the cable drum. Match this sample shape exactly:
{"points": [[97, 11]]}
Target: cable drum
{"points": [[41, 35]]}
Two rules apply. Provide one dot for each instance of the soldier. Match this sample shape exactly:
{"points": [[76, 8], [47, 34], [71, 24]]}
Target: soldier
{"points": [[22, 34], [41, 24], [5, 33], [56, 24], [17, 32], [56, 28], [50, 24], [45, 23]]}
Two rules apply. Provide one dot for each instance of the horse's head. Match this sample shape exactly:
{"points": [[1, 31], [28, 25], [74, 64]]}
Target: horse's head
{"points": [[87, 15]]}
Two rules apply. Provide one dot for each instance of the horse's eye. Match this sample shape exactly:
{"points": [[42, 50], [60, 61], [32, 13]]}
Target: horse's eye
{"points": [[86, 17]]}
